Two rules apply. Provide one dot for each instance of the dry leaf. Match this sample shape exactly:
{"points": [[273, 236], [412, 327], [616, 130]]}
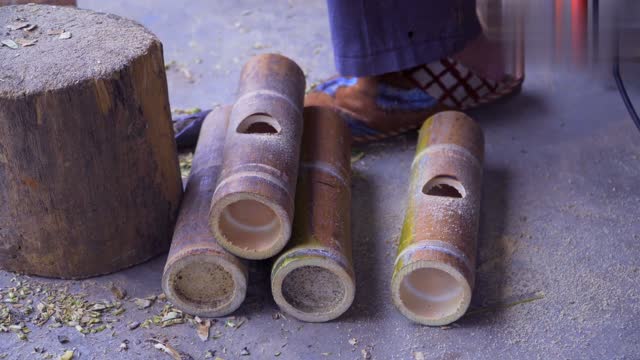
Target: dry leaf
{"points": [[9, 43], [17, 26], [143, 303], [366, 354], [203, 329], [187, 74], [119, 311], [119, 293], [26, 42], [68, 355], [235, 323], [170, 316], [168, 349], [98, 307], [55, 32], [65, 35]]}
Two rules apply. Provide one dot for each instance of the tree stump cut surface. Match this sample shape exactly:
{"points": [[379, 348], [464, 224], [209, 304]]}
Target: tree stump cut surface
{"points": [[89, 178]]}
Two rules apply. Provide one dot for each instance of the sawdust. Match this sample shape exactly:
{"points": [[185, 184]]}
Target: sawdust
{"points": [[313, 289], [204, 283]]}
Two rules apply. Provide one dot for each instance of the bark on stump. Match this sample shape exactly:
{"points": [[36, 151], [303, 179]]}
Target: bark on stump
{"points": [[89, 178]]}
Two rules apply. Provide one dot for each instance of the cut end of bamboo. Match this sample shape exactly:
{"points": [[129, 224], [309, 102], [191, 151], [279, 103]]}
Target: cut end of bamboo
{"points": [[431, 293], [205, 284], [250, 226], [312, 289]]}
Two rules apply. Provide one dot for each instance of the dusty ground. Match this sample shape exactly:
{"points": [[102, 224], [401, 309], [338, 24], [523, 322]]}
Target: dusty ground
{"points": [[558, 270]]}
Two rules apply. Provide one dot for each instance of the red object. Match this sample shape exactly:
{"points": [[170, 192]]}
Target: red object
{"points": [[558, 28], [579, 13]]}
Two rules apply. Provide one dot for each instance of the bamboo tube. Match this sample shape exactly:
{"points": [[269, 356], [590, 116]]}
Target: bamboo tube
{"points": [[314, 280], [434, 270], [252, 207], [200, 277]]}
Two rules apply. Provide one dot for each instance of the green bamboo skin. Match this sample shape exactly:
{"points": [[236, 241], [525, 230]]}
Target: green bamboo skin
{"points": [[200, 277], [433, 275], [313, 279]]}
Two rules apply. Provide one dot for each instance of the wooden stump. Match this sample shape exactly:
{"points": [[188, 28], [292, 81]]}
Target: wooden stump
{"points": [[89, 178]]}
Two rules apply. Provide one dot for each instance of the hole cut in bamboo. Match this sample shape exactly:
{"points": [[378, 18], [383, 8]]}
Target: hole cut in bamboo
{"points": [[313, 279], [200, 277], [259, 124], [434, 271], [252, 207], [447, 186]]}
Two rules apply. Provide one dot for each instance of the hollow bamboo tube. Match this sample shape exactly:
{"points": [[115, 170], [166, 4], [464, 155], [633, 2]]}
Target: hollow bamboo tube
{"points": [[252, 207], [200, 277], [314, 280], [434, 270]]}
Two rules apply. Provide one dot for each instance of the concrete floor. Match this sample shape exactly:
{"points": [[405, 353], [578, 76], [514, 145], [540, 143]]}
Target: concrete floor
{"points": [[559, 214]]}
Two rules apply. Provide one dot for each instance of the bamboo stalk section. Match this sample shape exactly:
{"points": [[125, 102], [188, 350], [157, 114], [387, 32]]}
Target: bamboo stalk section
{"points": [[200, 277], [89, 175], [252, 207], [313, 280], [434, 271]]}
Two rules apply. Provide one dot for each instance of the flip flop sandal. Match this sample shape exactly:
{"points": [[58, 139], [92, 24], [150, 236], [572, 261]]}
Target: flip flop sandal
{"points": [[375, 110]]}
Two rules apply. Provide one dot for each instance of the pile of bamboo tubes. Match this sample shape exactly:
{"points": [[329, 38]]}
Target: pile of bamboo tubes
{"points": [[254, 169], [260, 188], [249, 175]]}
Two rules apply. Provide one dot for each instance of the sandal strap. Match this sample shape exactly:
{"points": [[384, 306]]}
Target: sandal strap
{"points": [[458, 87]]}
